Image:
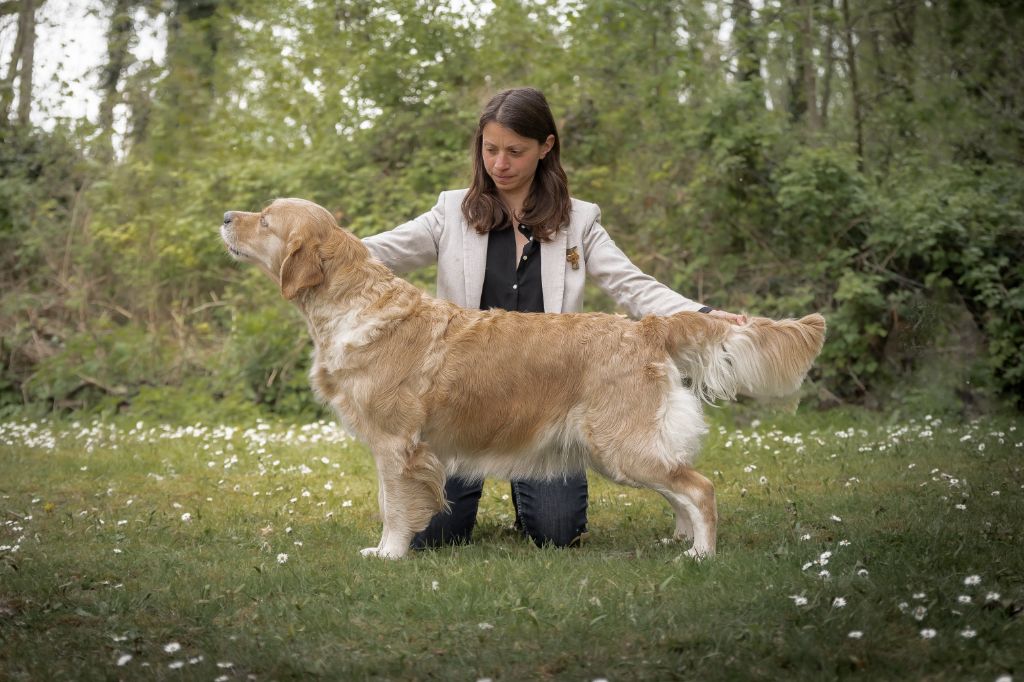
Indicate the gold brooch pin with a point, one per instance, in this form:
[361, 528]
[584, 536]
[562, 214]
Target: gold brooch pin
[573, 257]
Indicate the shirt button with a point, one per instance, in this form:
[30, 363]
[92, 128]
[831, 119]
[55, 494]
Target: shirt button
[524, 257]
[515, 286]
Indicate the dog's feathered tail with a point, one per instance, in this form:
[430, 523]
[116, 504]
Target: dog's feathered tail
[762, 359]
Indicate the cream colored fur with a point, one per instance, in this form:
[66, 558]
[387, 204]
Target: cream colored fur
[434, 389]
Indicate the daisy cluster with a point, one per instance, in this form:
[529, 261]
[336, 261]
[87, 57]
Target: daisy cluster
[13, 533]
[773, 441]
[974, 436]
[46, 435]
[921, 607]
[822, 566]
[176, 659]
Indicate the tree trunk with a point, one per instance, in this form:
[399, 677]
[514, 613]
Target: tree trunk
[803, 86]
[7, 84]
[810, 70]
[188, 90]
[830, 58]
[26, 24]
[119, 36]
[748, 59]
[851, 67]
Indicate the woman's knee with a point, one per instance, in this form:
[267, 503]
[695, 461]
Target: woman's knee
[556, 532]
[552, 513]
[454, 526]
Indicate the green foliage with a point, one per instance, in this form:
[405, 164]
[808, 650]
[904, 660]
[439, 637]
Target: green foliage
[267, 355]
[746, 168]
[963, 228]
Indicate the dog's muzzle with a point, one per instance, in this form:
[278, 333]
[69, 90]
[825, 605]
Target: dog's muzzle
[227, 233]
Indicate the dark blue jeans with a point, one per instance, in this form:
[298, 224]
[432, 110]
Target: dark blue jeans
[548, 512]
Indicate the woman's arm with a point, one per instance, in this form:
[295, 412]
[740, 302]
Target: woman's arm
[411, 245]
[639, 293]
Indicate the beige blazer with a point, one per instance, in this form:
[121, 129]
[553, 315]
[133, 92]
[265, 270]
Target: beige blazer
[442, 236]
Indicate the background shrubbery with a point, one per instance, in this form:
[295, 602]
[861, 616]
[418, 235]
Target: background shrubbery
[858, 157]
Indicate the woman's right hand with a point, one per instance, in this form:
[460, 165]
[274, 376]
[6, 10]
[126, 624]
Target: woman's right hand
[731, 317]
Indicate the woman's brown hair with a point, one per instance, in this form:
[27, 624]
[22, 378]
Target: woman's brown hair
[525, 112]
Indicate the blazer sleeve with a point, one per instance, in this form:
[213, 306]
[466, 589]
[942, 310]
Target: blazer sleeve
[411, 245]
[639, 293]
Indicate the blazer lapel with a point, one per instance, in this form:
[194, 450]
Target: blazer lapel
[552, 271]
[474, 262]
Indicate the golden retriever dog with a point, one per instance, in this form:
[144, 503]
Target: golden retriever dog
[435, 389]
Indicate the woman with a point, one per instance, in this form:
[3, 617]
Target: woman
[516, 240]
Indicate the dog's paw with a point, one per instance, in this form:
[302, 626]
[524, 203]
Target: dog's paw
[698, 553]
[381, 553]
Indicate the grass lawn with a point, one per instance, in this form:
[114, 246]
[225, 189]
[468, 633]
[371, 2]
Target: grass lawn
[849, 546]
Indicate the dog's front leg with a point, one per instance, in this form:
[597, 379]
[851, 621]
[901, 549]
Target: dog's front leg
[382, 506]
[411, 491]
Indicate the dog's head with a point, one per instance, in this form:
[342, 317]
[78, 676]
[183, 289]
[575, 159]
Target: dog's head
[284, 240]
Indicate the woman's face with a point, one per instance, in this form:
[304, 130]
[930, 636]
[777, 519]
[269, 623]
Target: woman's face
[511, 160]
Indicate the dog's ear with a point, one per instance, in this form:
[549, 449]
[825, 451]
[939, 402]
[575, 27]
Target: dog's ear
[301, 268]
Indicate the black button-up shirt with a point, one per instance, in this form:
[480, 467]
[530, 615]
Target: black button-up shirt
[508, 284]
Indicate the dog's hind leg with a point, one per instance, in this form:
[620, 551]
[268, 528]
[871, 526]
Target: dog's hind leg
[692, 497]
[411, 490]
[684, 526]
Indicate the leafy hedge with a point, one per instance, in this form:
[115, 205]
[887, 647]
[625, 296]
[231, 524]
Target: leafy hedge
[901, 216]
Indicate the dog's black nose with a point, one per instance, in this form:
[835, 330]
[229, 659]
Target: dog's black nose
[227, 217]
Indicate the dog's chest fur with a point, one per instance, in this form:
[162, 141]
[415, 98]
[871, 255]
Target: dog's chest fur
[373, 366]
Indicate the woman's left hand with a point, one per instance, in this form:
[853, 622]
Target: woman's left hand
[735, 319]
